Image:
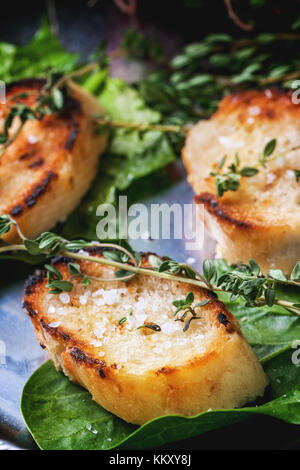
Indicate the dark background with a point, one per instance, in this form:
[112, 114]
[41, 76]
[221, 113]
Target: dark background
[80, 26]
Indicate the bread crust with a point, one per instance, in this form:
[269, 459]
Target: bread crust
[261, 220]
[226, 375]
[47, 169]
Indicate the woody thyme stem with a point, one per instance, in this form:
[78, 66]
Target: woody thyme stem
[150, 272]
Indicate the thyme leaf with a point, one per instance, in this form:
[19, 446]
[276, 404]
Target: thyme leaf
[245, 281]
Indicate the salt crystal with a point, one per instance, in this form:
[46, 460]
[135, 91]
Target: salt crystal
[99, 330]
[268, 93]
[140, 317]
[94, 431]
[32, 139]
[61, 311]
[97, 292]
[227, 142]
[101, 353]
[64, 298]
[88, 427]
[98, 302]
[83, 252]
[254, 110]
[270, 178]
[82, 299]
[157, 350]
[280, 161]
[169, 327]
[111, 297]
[290, 174]
[51, 309]
[54, 324]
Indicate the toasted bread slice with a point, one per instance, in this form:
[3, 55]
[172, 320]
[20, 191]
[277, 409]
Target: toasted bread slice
[261, 220]
[137, 373]
[47, 169]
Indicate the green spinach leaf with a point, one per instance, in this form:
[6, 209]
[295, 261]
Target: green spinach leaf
[61, 415]
[42, 53]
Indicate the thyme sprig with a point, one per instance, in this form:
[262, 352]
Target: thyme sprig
[50, 99]
[230, 179]
[105, 123]
[244, 281]
[186, 307]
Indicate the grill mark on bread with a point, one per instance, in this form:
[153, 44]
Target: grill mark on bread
[33, 281]
[16, 210]
[214, 208]
[27, 155]
[55, 331]
[34, 83]
[75, 128]
[81, 357]
[223, 319]
[39, 189]
[37, 163]
[165, 371]
[32, 313]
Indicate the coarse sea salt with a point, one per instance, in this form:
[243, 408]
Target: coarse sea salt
[83, 252]
[268, 93]
[140, 317]
[270, 178]
[51, 309]
[169, 327]
[228, 142]
[290, 174]
[98, 302]
[157, 350]
[64, 298]
[54, 324]
[97, 292]
[61, 311]
[254, 110]
[32, 139]
[83, 300]
[99, 330]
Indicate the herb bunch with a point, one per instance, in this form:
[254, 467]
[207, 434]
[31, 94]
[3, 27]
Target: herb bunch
[50, 99]
[244, 281]
[230, 180]
[196, 79]
[185, 307]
